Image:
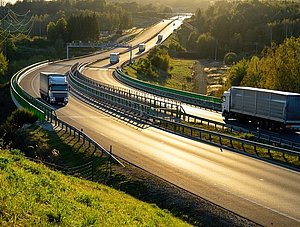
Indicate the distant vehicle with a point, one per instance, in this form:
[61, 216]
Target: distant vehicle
[142, 47]
[54, 87]
[114, 58]
[268, 108]
[159, 37]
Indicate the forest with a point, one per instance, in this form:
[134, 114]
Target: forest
[243, 27]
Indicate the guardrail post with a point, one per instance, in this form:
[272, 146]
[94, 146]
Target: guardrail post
[255, 149]
[283, 155]
[269, 153]
[231, 144]
[93, 170]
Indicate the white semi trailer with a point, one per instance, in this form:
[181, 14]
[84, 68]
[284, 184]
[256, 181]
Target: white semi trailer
[267, 108]
[54, 87]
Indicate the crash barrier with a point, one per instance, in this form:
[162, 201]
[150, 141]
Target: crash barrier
[203, 101]
[24, 99]
[261, 136]
[140, 102]
[45, 111]
[256, 149]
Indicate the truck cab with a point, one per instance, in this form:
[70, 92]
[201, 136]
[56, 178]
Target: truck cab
[159, 37]
[54, 87]
[142, 47]
[114, 58]
[226, 104]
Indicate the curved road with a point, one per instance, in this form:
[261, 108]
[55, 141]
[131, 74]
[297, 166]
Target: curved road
[262, 192]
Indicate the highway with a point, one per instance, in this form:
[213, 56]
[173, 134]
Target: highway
[262, 192]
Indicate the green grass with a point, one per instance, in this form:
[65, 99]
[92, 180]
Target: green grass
[33, 195]
[180, 75]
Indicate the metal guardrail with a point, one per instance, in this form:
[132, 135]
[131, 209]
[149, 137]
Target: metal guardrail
[134, 101]
[46, 112]
[84, 136]
[23, 98]
[276, 141]
[203, 101]
[220, 140]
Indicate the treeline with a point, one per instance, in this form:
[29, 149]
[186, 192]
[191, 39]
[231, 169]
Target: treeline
[278, 69]
[108, 16]
[243, 27]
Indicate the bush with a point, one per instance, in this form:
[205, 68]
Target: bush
[230, 58]
[20, 117]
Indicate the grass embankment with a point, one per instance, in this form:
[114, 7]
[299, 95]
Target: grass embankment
[179, 77]
[31, 194]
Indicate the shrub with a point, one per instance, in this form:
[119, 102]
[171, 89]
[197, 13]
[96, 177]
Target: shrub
[230, 58]
[20, 117]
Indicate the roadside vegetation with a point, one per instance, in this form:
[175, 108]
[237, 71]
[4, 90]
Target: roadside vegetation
[159, 68]
[31, 194]
[277, 69]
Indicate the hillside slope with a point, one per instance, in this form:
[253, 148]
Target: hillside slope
[31, 194]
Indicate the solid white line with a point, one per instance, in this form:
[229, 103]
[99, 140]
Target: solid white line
[35, 92]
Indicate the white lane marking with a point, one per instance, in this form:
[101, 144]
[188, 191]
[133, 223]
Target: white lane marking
[32, 86]
[90, 117]
[258, 204]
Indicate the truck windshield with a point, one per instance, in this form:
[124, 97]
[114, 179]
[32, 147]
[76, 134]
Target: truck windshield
[62, 87]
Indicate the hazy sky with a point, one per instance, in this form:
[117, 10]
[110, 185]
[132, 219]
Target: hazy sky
[8, 1]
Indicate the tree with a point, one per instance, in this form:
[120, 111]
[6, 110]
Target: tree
[254, 75]
[206, 45]
[3, 65]
[281, 66]
[236, 73]
[191, 42]
[51, 31]
[61, 28]
[230, 58]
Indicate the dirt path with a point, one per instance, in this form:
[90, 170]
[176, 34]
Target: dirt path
[200, 79]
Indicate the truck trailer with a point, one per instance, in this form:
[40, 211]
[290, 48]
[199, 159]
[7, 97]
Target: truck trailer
[270, 109]
[54, 88]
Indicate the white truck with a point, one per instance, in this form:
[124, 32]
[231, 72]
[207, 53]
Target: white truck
[270, 109]
[114, 58]
[159, 37]
[54, 87]
[142, 47]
